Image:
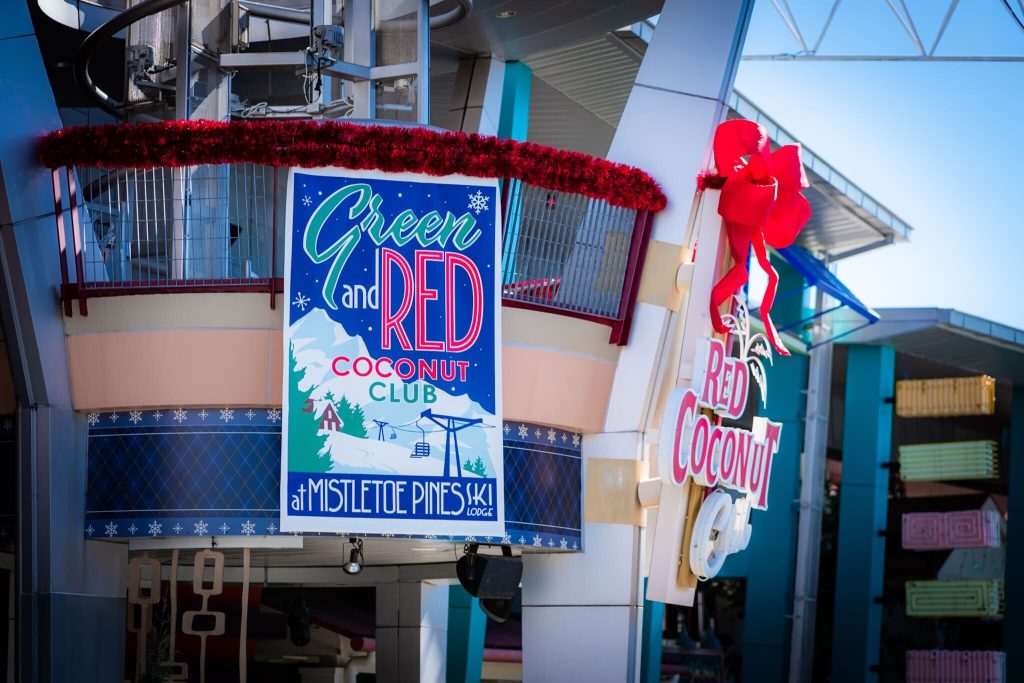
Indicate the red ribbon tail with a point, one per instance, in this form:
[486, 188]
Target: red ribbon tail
[769, 295]
[731, 281]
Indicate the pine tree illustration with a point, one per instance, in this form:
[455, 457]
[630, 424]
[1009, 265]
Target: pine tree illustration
[356, 426]
[307, 451]
[476, 467]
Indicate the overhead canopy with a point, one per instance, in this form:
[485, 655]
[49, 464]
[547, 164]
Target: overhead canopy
[950, 337]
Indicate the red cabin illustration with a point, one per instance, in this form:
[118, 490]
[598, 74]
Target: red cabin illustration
[329, 419]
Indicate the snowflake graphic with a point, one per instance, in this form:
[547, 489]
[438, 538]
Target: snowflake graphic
[574, 546]
[507, 429]
[135, 417]
[250, 414]
[536, 433]
[132, 529]
[114, 417]
[227, 414]
[177, 528]
[111, 529]
[522, 540]
[551, 543]
[307, 200]
[200, 528]
[155, 528]
[430, 536]
[203, 414]
[301, 301]
[563, 544]
[575, 439]
[478, 202]
[564, 437]
[470, 539]
[271, 528]
[248, 528]
[274, 415]
[180, 415]
[506, 540]
[552, 435]
[537, 541]
[90, 530]
[523, 431]
[94, 419]
[157, 415]
[224, 528]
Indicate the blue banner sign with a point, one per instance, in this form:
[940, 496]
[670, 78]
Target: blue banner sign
[392, 393]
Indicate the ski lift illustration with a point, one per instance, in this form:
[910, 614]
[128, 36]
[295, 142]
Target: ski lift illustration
[381, 424]
[422, 448]
[394, 435]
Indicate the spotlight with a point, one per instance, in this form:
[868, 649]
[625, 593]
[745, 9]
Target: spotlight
[355, 558]
[493, 579]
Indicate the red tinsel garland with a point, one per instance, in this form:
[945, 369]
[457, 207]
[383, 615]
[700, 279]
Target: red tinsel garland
[331, 143]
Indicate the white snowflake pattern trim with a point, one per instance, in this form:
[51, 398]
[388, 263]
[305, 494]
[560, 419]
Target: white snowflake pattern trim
[203, 414]
[274, 415]
[111, 529]
[114, 417]
[227, 414]
[224, 528]
[301, 301]
[135, 417]
[200, 528]
[536, 433]
[180, 415]
[552, 435]
[563, 544]
[94, 419]
[575, 439]
[506, 540]
[248, 528]
[537, 542]
[155, 528]
[157, 415]
[250, 414]
[90, 530]
[478, 202]
[307, 200]
[177, 528]
[271, 528]
[132, 529]
[507, 429]
[522, 540]
[523, 431]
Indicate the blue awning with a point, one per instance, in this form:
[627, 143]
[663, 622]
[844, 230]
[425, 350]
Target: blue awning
[818, 275]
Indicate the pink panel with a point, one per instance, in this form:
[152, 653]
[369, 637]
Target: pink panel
[955, 666]
[922, 530]
[971, 529]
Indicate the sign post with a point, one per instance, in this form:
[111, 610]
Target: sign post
[392, 393]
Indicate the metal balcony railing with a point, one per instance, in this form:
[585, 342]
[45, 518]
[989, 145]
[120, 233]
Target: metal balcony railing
[218, 228]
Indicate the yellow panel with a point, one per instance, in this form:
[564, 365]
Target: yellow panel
[611, 496]
[946, 397]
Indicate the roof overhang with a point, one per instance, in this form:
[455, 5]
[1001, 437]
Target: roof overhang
[950, 337]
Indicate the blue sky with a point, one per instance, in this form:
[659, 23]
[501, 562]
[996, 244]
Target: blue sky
[940, 144]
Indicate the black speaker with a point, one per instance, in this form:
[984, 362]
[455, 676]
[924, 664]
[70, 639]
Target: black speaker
[490, 577]
[298, 621]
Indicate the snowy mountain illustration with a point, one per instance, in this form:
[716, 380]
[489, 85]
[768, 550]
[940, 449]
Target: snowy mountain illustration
[316, 340]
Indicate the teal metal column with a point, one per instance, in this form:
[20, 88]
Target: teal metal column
[467, 626]
[514, 123]
[1013, 622]
[650, 658]
[515, 101]
[768, 562]
[863, 502]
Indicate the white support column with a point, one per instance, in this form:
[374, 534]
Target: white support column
[582, 613]
[412, 631]
[476, 99]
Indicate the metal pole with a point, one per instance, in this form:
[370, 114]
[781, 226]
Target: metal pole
[812, 493]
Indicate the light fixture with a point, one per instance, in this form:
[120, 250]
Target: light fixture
[355, 558]
[505, 14]
[492, 578]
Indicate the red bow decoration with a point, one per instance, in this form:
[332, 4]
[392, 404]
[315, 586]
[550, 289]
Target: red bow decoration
[761, 203]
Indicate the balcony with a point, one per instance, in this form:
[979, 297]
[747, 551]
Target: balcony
[199, 207]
